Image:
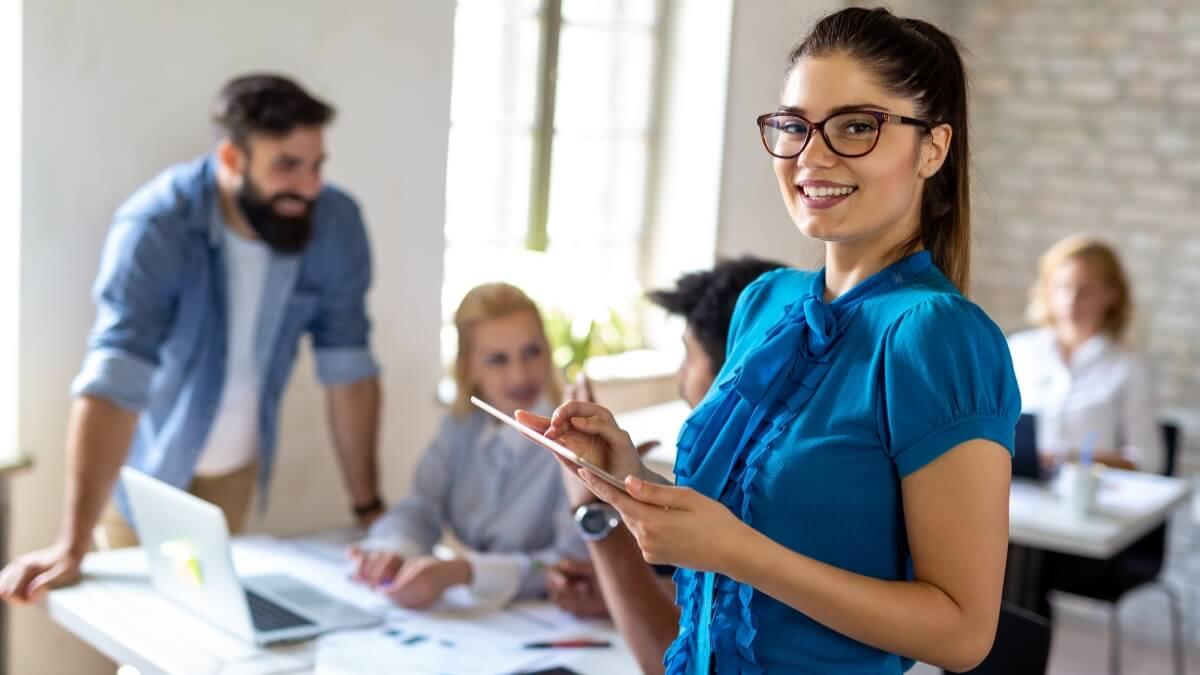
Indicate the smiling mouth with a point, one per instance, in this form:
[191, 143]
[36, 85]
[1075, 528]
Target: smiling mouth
[824, 192]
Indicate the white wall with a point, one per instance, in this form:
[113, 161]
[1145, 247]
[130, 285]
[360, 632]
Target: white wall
[753, 219]
[10, 233]
[115, 91]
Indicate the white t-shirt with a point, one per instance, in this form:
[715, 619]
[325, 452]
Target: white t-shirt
[232, 441]
[1105, 390]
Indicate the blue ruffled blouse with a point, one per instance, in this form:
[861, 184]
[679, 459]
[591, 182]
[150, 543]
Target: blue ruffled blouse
[819, 412]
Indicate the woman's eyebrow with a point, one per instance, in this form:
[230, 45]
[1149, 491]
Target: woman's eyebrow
[840, 109]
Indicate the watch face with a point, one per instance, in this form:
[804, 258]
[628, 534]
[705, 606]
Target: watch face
[594, 521]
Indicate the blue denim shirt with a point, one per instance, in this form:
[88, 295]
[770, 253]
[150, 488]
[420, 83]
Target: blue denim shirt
[158, 346]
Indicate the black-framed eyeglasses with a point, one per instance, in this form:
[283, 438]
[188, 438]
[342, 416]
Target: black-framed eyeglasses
[853, 133]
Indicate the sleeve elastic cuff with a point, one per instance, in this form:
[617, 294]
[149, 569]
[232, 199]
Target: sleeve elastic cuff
[343, 365]
[934, 445]
[117, 376]
[496, 578]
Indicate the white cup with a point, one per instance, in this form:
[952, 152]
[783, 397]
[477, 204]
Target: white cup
[1078, 486]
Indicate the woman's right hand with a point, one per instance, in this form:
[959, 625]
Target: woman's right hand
[375, 568]
[581, 390]
[590, 431]
[578, 491]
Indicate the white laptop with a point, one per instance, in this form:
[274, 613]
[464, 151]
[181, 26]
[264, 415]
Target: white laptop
[187, 542]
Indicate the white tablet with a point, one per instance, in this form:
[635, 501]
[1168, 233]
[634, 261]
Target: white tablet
[553, 446]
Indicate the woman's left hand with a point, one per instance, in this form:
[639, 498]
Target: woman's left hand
[675, 525]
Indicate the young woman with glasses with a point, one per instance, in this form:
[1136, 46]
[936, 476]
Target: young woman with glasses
[842, 504]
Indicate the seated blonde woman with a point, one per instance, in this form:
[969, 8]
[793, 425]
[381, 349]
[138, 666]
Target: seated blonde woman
[1074, 372]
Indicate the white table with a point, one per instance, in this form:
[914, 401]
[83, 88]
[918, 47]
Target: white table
[1128, 506]
[1130, 503]
[115, 610]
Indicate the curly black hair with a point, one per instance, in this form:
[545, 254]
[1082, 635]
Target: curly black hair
[706, 300]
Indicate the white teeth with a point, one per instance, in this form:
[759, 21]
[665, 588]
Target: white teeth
[826, 192]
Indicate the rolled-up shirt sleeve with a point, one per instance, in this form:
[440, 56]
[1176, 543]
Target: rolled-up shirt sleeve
[340, 330]
[135, 294]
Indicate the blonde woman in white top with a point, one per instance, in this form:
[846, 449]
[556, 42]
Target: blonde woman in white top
[1074, 372]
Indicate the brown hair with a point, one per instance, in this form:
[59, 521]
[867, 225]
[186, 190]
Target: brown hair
[483, 303]
[915, 59]
[1104, 259]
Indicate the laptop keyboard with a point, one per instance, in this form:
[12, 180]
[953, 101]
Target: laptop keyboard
[269, 616]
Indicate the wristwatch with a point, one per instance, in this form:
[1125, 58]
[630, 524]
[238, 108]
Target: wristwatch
[361, 510]
[596, 520]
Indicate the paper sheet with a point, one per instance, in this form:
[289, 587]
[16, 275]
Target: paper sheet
[451, 640]
[421, 650]
[456, 637]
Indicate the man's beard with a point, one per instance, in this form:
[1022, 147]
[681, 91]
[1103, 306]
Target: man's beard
[285, 234]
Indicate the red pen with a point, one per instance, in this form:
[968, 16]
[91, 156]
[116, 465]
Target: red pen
[568, 644]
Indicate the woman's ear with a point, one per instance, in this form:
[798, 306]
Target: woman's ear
[934, 150]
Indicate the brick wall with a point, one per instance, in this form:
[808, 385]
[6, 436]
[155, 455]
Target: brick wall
[1086, 117]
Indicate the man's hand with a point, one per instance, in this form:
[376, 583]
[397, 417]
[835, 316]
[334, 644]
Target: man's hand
[573, 586]
[98, 439]
[28, 578]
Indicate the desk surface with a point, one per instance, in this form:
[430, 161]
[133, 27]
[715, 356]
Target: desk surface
[1130, 503]
[115, 610]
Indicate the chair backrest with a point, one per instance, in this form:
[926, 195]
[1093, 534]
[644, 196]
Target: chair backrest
[1022, 644]
[1025, 451]
[1150, 552]
[1170, 432]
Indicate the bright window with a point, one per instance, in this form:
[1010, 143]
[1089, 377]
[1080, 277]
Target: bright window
[551, 149]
